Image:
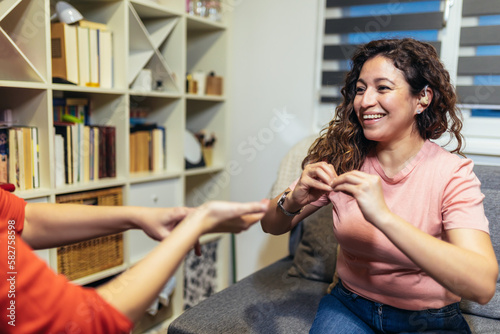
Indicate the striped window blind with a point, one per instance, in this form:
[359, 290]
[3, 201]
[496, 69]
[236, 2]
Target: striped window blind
[478, 81]
[349, 23]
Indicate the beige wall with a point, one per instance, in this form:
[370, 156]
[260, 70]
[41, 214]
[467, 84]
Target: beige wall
[272, 50]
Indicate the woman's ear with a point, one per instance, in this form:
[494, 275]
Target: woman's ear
[425, 99]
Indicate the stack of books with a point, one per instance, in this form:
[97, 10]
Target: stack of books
[83, 152]
[147, 148]
[82, 54]
[19, 157]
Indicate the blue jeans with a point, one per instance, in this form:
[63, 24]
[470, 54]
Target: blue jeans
[343, 311]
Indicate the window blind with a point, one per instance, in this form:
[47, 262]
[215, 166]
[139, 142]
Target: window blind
[349, 23]
[478, 81]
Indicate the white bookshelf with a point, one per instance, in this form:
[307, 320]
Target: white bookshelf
[147, 34]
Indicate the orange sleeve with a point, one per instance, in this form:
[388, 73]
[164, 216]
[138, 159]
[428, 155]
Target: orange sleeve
[41, 301]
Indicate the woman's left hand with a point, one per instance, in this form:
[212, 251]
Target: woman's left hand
[367, 190]
[157, 223]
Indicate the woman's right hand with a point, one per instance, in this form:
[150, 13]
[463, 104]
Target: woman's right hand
[314, 181]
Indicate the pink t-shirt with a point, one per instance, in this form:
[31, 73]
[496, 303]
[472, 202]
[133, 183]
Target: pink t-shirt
[435, 192]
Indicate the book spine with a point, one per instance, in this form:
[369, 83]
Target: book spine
[111, 152]
[13, 158]
[4, 155]
[35, 157]
[102, 152]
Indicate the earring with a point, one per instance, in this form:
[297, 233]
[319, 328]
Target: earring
[425, 99]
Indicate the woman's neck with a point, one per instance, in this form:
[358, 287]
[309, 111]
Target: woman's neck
[394, 157]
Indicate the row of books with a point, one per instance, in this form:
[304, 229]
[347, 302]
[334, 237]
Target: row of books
[19, 157]
[84, 153]
[147, 148]
[71, 109]
[82, 54]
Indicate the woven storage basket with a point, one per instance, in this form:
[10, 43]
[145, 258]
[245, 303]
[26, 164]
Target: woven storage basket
[91, 256]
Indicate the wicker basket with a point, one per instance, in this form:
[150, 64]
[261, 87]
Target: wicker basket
[91, 256]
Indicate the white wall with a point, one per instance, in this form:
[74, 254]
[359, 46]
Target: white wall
[272, 75]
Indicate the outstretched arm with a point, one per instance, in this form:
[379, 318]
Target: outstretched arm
[146, 279]
[50, 225]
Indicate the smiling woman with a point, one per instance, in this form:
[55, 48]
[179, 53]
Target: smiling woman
[385, 107]
[405, 211]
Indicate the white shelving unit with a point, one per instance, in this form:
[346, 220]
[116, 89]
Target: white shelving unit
[146, 34]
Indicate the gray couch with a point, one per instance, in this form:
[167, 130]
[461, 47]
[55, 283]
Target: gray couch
[283, 297]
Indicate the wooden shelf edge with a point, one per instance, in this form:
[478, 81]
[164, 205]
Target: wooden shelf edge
[34, 193]
[23, 84]
[99, 90]
[173, 95]
[196, 97]
[100, 275]
[196, 23]
[203, 170]
[79, 187]
[147, 177]
[163, 9]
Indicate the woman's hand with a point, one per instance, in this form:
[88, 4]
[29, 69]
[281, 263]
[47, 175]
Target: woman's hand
[157, 223]
[367, 190]
[232, 217]
[314, 181]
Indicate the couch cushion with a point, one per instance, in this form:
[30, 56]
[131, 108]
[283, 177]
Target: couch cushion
[268, 301]
[490, 186]
[482, 325]
[316, 255]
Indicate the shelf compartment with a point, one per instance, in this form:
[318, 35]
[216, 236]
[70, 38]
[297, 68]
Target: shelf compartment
[208, 116]
[6, 6]
[158, 22]
[24, 35]
[147, 33]
[167, 113]
[206, 52]
[15, 66]
[105, 110]
[207, 187]
[160, 194]
[30, 108]
[89, 257]
[111, 13]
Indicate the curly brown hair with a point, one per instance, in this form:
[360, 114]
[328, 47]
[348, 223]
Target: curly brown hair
[342, 143]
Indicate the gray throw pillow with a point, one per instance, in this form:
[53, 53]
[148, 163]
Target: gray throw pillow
[492, 210]
[316, 255]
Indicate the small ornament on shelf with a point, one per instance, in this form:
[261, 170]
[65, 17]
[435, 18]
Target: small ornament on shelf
[207, 145]
[210, 9]
[214, 85]
[198, 83]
